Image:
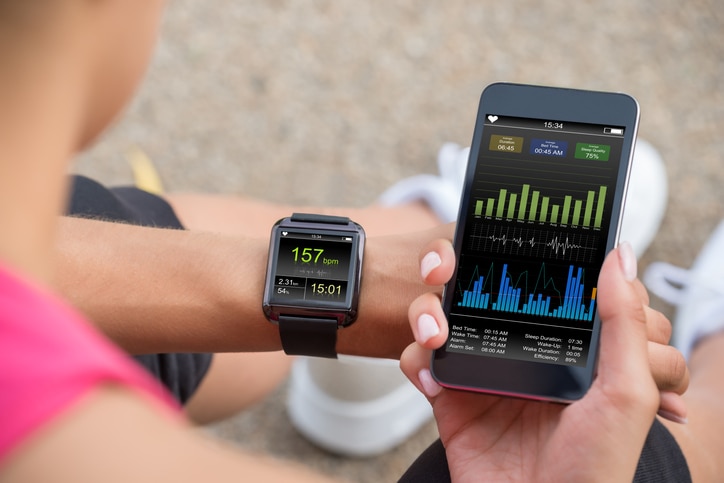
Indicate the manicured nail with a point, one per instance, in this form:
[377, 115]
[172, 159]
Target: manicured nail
[628, 261]
[672, 417]
[429, 262]
[426, 328]
[675, 407]
[429, 386]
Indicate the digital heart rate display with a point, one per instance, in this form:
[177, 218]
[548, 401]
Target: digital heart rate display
[312, 267]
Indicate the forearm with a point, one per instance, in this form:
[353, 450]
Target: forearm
[114, 435]
[155, 290]
[158, 290]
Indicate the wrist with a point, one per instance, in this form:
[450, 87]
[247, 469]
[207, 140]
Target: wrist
[390, 282]
[236, 322]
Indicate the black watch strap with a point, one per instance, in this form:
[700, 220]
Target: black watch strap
[309, 336]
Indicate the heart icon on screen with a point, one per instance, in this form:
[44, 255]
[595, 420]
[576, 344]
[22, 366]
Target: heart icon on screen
[492, 118]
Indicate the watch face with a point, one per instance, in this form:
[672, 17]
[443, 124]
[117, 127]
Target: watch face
[313, 269]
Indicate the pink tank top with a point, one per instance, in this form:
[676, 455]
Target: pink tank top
[49, 358]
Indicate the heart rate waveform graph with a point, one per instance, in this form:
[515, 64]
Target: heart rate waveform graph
[551, 244]
[544, 299]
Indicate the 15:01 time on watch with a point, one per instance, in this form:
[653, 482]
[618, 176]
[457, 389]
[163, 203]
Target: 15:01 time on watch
[331, 289]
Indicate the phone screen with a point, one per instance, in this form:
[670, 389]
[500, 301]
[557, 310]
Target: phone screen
[534, 228]
[534, 240]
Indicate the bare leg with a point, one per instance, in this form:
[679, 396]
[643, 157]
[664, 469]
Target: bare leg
[702, 439]
[234, 383]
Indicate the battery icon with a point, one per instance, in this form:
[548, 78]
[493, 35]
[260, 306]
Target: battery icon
[613, 130]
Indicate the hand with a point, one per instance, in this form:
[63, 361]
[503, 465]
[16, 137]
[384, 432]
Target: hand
[668, 365]
[491, 438]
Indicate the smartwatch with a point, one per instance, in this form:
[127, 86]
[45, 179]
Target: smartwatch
[313, 281]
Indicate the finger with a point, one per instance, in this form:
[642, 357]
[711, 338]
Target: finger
[415, 364]
[641, 291]
[673, 407]
[669, 368]
[658, 327]
[428, 322]
[437, 262]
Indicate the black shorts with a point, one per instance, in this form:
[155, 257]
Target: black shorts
[180, 373]
[661, 461]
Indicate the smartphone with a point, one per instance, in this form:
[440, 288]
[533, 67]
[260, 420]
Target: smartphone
[541, 207]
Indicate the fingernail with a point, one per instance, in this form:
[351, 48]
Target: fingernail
[672, 417]
[628, 261]
[429, 262]
[426, 328]
[429, 386]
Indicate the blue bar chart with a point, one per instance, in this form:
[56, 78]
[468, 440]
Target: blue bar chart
[510, 297]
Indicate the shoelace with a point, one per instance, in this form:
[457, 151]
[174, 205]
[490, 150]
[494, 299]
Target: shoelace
[667, 281]
[672, 283]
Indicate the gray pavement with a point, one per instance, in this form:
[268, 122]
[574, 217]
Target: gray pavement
[324, 102]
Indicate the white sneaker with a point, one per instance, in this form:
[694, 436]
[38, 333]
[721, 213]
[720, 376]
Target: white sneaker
[354, 406]
[441, 192]
[645, 204]
[646, 198]
[697, 292]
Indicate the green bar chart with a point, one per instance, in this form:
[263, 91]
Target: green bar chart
[531, 205]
